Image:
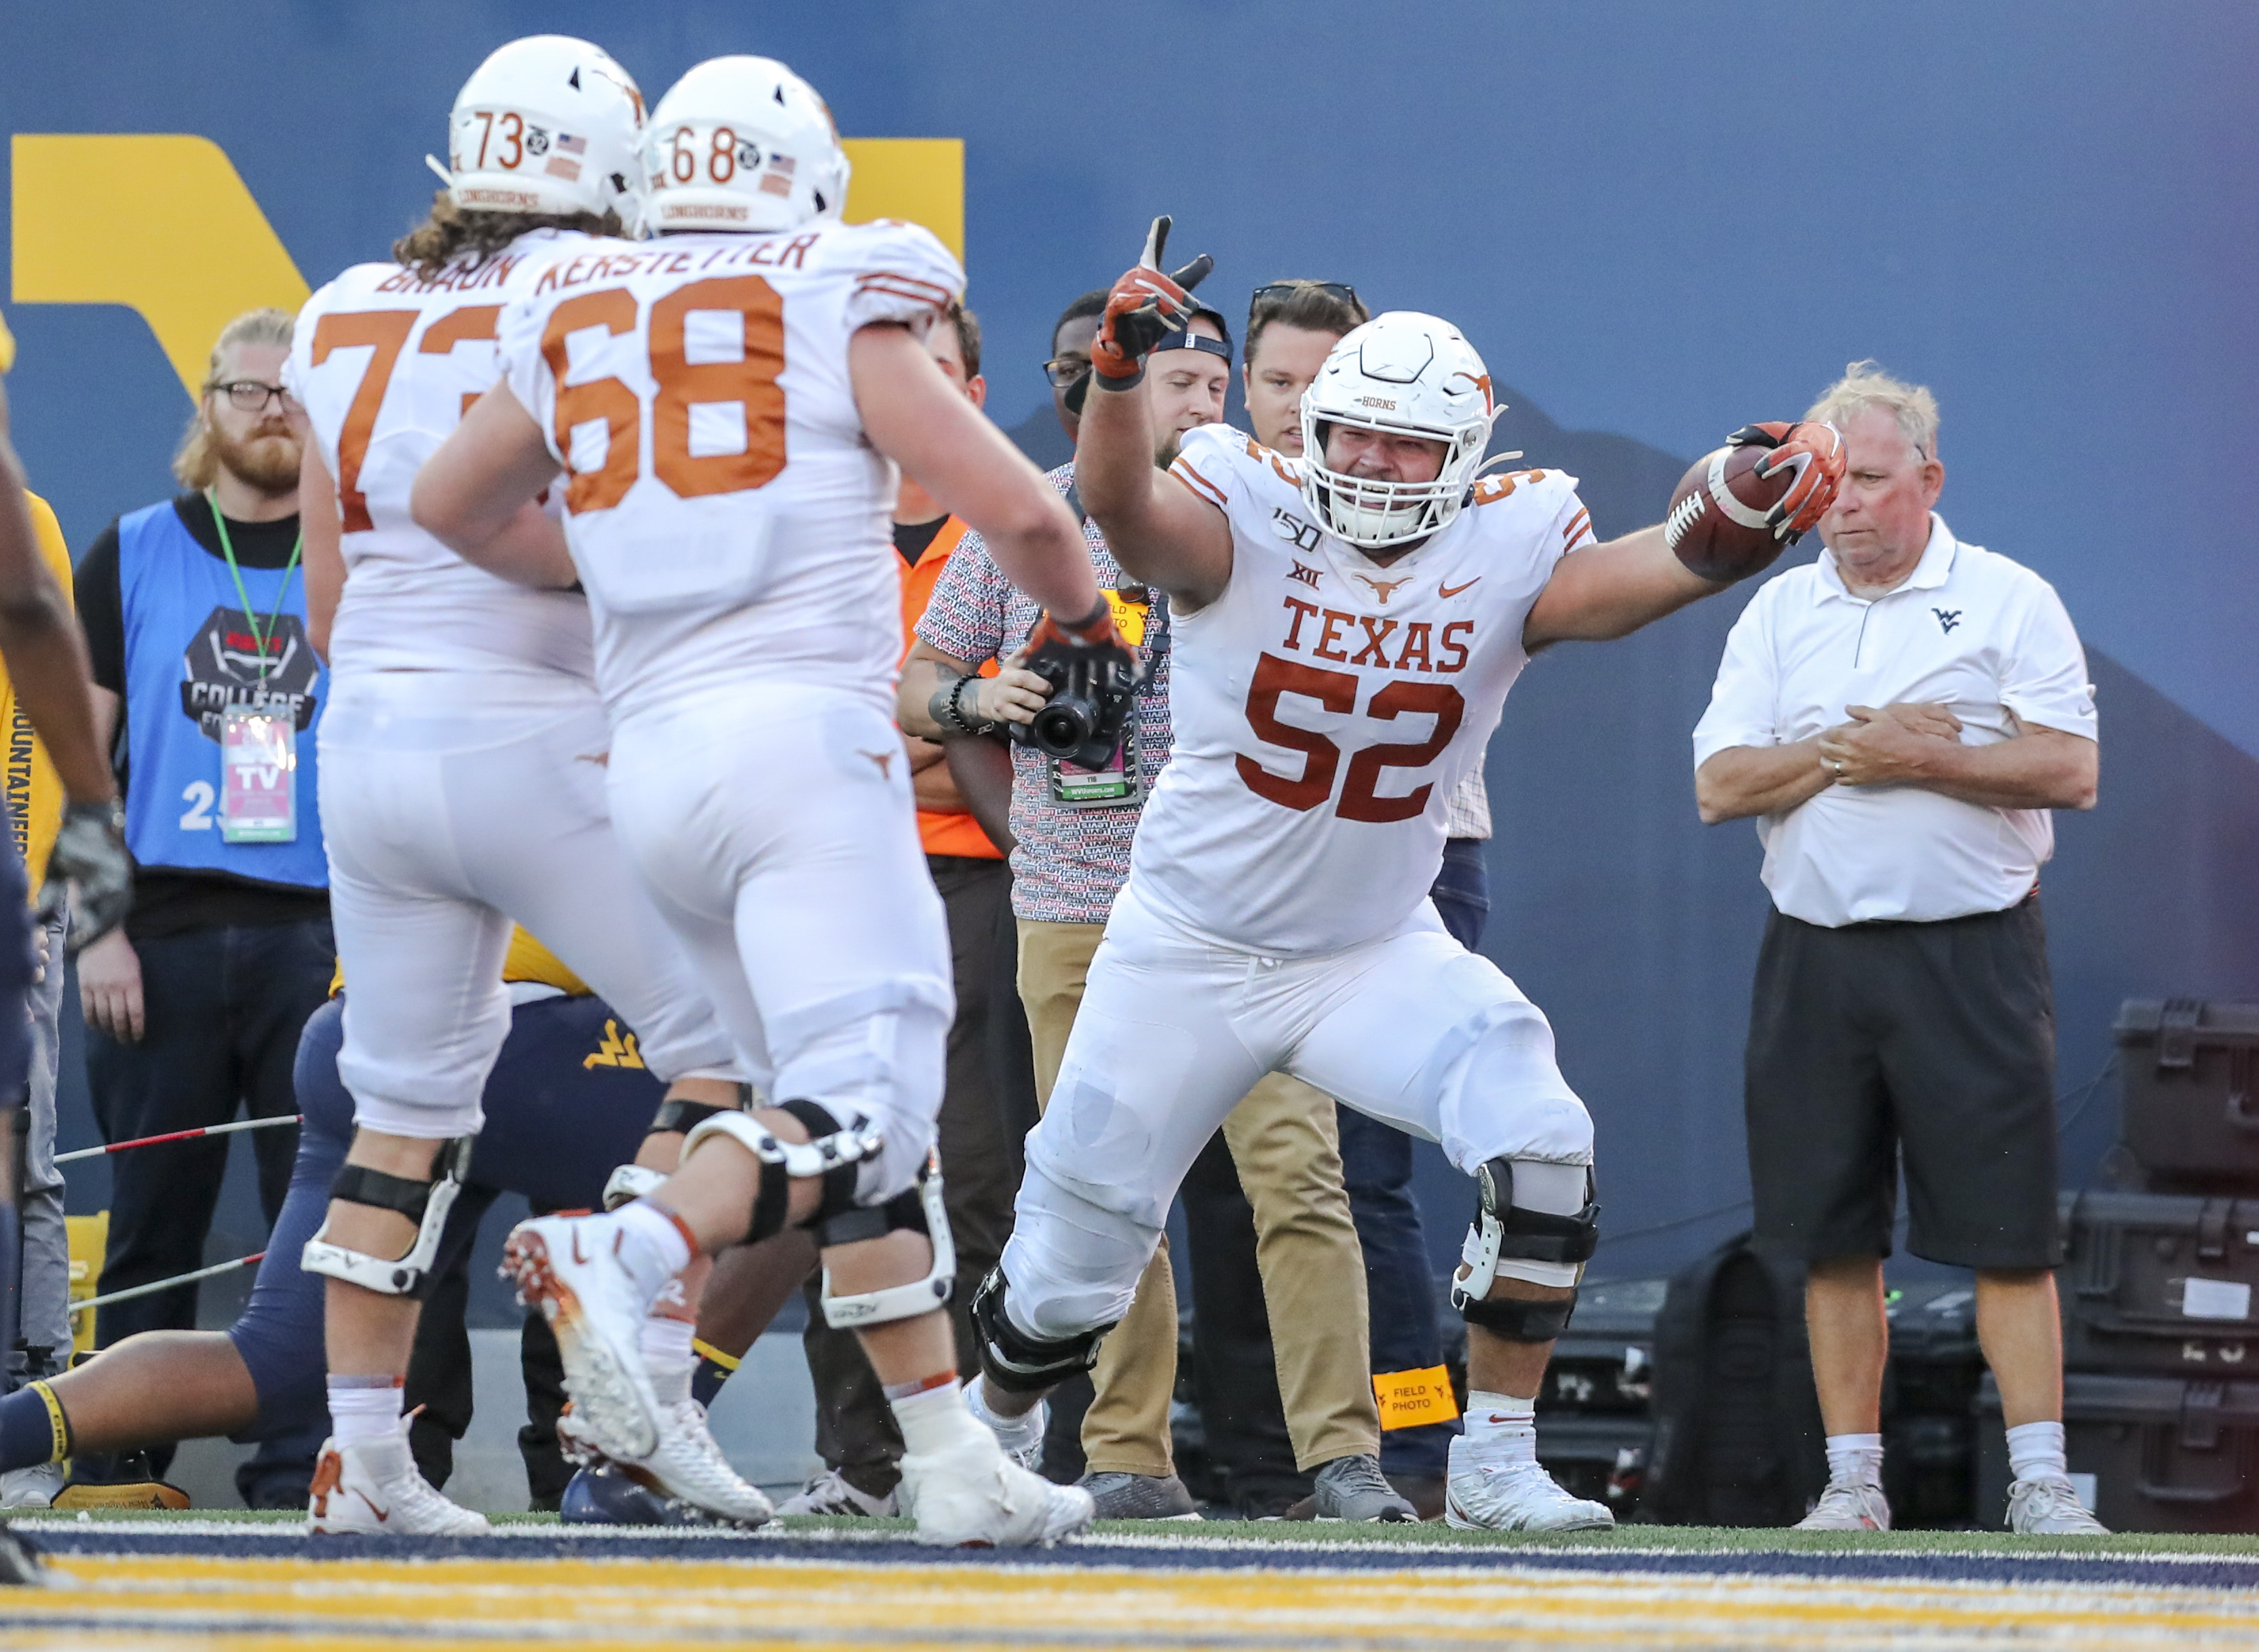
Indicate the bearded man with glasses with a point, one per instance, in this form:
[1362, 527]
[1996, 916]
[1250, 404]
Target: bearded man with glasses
[207, 693]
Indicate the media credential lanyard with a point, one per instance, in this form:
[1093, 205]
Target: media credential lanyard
[258, 744]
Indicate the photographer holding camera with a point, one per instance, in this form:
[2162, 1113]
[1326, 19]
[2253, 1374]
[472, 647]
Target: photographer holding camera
[1072, 815]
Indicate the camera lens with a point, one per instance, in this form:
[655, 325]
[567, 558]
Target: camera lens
[1063, 724]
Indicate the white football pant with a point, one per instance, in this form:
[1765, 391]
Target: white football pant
[774, 825]
[1412, 1030]
[453, 806]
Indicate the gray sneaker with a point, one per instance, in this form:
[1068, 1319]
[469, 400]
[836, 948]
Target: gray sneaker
[1849, 1506]
[1354, 1489]
[2048, 1506]
[1139, 1497]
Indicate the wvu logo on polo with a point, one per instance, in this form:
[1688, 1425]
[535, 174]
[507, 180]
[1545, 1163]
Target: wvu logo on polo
[1946, 618]
[618, 1050]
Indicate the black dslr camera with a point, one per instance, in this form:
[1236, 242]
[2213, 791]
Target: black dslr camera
[1088, 711]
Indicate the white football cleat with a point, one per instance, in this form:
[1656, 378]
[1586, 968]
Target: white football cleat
[1849, 1506]
[971, 1496]
[569, 1267]
[1489, 1492]
[377, 1488]
[1021, 1437]
[687, 1471]
[2048, 1506]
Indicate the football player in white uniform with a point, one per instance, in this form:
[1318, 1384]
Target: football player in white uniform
[461, 773]
[724, 405]
[1347, 626]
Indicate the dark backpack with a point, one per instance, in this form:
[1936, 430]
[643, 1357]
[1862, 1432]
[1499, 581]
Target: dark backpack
[1738, 1438]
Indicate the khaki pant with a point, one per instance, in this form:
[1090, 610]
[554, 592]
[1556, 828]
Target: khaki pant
[1284, 1140]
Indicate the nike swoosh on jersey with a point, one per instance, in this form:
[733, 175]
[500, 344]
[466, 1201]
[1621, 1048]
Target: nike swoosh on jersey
[1453, 590]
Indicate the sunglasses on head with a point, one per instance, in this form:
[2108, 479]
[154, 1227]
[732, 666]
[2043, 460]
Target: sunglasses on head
[1282, 291]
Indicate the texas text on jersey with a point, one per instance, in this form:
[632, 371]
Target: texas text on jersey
[705, 381]
[386, 364]
[1326, 705]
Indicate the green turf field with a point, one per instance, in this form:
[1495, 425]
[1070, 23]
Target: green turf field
[1686, 1539]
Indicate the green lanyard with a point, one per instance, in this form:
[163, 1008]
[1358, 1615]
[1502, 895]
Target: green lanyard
[258, 637]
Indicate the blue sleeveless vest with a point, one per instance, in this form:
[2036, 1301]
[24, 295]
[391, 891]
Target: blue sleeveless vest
[189, 654]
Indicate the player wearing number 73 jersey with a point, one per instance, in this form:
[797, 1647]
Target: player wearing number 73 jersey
[1347, 625]
[726, 406]
[461, 774]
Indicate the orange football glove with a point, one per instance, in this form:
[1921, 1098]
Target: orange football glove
[1144, 307]
[1812, 453]
[1096, 629]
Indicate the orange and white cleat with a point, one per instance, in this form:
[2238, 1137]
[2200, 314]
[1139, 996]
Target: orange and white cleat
[569, 1267]
[376, 1488]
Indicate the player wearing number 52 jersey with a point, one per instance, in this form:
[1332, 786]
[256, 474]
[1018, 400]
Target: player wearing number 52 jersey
[726, 405]
[1347, 625]
[461, 777]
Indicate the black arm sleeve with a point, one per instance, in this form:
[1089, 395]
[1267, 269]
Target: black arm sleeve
[102, 611]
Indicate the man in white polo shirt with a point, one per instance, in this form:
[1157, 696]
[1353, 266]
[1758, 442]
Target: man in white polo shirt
[1900, 716]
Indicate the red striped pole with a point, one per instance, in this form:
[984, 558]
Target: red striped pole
[167, 1285]
[179, 1135]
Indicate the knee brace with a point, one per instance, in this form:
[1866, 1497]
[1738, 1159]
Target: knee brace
[425, 1203]
[1544, 1247]
[833, 1155]
[630, 1182]
[917, 1209]
[1020, 1363]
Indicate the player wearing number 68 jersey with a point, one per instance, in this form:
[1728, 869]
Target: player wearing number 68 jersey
[726, 406]
[1347, 626]
[461, 775]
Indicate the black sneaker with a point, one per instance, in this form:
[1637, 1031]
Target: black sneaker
[1139, 1497]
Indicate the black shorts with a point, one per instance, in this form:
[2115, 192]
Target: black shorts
[1932, 1041]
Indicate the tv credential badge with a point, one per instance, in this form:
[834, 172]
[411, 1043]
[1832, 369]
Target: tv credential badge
[258, 739]
[259, 775]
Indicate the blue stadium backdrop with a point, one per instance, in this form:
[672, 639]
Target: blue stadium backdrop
[1656, 220]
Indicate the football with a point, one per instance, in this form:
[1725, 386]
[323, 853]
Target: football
[1717, 540]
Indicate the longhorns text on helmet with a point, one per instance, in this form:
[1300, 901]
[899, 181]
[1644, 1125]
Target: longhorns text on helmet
[547, 124]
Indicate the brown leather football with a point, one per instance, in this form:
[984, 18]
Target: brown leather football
[1720, 540]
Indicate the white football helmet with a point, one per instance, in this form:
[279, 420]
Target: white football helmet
[548, 124]
[1404, 374]
[743, 143]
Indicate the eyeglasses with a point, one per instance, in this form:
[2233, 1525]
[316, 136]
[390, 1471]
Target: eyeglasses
[249, 396]
[1062, 371]
[1282, 291]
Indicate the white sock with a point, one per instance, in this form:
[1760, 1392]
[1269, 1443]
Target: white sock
[652, 1248]
[668, 1356]
[364, 1410]
[2036, 1451]
[1855, 1459]
[934, 1418]
[1502, 1426]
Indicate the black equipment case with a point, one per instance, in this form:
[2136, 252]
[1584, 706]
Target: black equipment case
[1929, 1391]
[2188, 1073]
[2148, 1454]
[2161, 1283]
